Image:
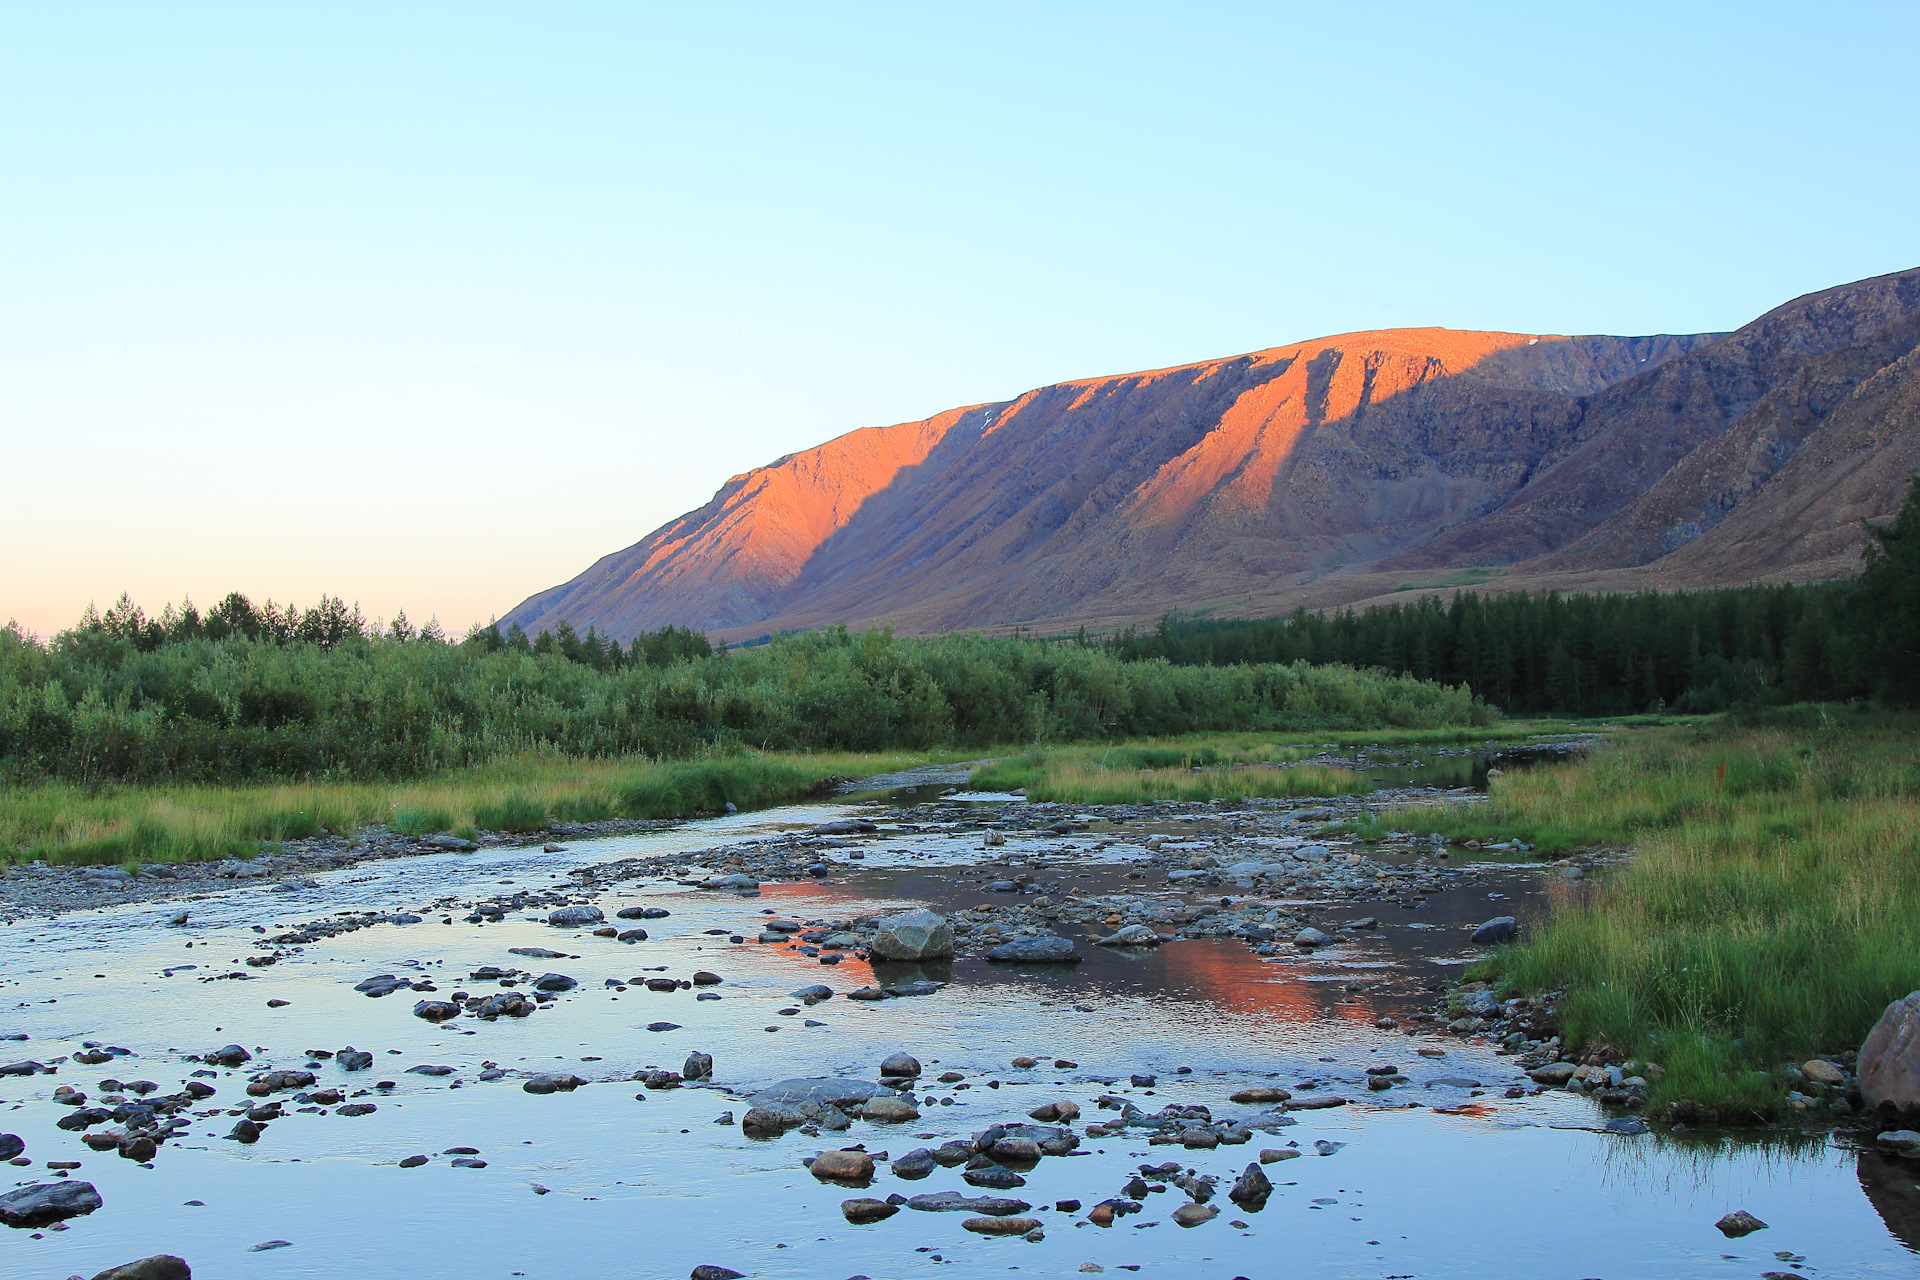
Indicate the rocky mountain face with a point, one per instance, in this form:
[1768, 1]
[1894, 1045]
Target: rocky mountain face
[1343, 470]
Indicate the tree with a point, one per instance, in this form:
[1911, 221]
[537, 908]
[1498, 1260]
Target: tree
[1888, 605]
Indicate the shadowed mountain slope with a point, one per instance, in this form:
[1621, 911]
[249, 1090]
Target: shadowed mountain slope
[1344, 469]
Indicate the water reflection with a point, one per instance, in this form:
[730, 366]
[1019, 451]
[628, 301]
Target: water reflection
[1893, 1189]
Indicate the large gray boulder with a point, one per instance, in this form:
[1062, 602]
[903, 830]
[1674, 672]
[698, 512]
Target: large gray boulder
[1889, 1066]
[1043, 950]
[571, 916]
[40, 1203]
[828, 1091]
[913, 935]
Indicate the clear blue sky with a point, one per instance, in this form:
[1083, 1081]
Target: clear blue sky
[432, 304]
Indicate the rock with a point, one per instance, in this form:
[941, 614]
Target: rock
[706, 978]
[1251, 1189]
[357, 1109]
[1260, 1093]
[842, 1166]
[1900, 1142]
[887, 1109]
[1316, 1104]
[1192, 1215]
[1041, 950]
[631, 913]
[138, 1149]
[1820, 1071]
[900, 1065]
[913, 1165]
[913, 935]
[1554, 1074]
[554, 982]
[1628, 1126]
[569, 916]
[430, 1069]
[435, 1010]
[769, 1122]
[1310, 938]
[352, 1059]
[1134, 935]
[412, 1162]
[813, 994]
[707, 1271]
[865, 1209]
[11, 1145]
[1739, 1223]
[1274, 1155]
[279, 1081]
[507, 1004]
[1496, 931]
[40, 1203]
[1002, 1226]
[820, 1090]
[552, 1082]
[994, 1177]
[953, 1153]
[736, 880]
[231, 1055]
[161, 1266]
[699, 1066]
[1013, 1150]
[631, 935]
[1889, 1064]
[954, 1202]
[844, 827]
[246, 1132]
[449, 842]
[537, 953]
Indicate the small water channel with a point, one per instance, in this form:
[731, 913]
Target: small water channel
[1444, 1177]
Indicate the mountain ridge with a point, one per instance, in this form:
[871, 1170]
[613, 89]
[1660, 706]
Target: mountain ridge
[1332, 471]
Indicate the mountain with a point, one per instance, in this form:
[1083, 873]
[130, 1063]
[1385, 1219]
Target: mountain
[1349, 469]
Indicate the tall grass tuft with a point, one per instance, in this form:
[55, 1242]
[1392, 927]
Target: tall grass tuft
[1770, 910]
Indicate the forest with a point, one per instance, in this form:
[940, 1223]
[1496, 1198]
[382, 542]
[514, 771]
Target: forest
[1608, 655]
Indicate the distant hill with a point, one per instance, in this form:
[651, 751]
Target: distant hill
[1342, 470]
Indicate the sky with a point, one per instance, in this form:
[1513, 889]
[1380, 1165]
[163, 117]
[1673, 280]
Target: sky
[431, 305]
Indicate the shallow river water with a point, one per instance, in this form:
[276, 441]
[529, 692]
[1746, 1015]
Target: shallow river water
[1433, 1180]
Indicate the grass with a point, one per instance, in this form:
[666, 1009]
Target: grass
[1213, 766]
[65, 823]
[1200, 768]
[1770, 912]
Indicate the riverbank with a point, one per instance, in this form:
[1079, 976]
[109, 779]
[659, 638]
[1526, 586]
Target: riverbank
[1768, 913]
[70, 824]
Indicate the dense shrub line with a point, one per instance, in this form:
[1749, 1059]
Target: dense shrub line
[260, 694]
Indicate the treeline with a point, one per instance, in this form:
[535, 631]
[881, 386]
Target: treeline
[1683, 651]
[245, 693]
[333, 621]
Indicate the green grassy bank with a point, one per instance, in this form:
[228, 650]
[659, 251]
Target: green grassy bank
[66, 823]
[1214, 766]
[1770, 911]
